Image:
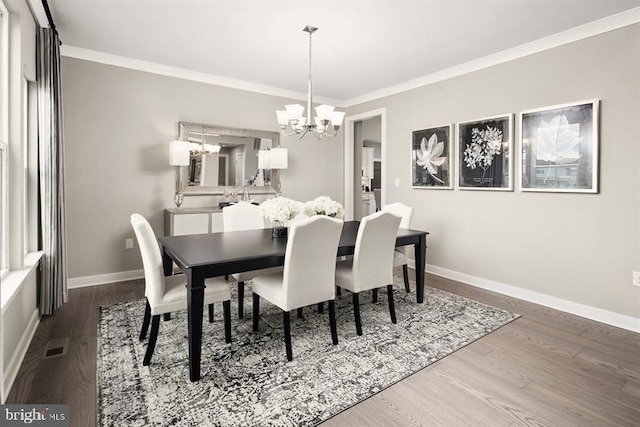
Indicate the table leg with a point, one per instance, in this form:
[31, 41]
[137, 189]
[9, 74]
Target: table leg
[167, 264]
[420, 257]
[195, 307]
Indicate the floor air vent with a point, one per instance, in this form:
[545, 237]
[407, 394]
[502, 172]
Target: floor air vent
[56, 348]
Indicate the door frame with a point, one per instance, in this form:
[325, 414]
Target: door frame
[349, 158]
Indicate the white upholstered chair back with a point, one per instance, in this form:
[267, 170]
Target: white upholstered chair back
[310, 261]
[401, 210]
[242, 216]
[373, 256]
[151, 259]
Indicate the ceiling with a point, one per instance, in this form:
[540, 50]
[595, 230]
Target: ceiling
[360, 47]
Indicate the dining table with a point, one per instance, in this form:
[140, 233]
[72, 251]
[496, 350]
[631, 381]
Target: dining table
[200, 256]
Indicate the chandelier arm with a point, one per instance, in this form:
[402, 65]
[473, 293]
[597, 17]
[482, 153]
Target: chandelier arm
[335, 132]
[283, 133]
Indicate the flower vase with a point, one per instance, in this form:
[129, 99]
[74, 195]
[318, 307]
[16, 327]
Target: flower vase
[279, 230]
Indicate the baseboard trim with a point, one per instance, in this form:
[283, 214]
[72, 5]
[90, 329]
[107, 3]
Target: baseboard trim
[101, 279]
[18, 355]
[593, 313]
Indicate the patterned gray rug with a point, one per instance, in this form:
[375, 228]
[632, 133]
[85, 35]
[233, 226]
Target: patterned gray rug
[249, 382]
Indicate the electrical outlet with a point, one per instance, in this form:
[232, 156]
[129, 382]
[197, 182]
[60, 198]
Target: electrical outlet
[636, 278]
[128, 243]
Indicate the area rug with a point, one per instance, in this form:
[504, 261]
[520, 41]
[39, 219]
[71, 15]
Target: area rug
[250, 383]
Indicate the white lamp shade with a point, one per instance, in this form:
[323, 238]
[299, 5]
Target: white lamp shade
[283, 117]
[324, 111]
[179, 153]
[294, 111]
[337, 117]
[264, 159]
[278, 158]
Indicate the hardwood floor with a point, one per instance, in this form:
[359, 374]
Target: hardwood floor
[546, 368]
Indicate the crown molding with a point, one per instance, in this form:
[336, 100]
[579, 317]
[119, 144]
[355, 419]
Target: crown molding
[181, 73]
[594, 28]
[581, 32]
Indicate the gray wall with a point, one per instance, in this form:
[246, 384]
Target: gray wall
[118, 124]
[577, 247]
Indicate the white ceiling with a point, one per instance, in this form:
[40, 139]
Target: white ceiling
[360, 47]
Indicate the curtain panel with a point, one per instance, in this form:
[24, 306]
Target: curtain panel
[53, 286]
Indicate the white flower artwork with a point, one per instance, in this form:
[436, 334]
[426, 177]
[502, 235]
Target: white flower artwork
[431, 158]
[560, 148]
[484, 148]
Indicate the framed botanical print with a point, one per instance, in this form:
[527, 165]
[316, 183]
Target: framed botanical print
[431, 154]
[559, 148]
[484, 154]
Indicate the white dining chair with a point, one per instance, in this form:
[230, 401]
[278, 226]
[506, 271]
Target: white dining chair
[308, 276]
[401, 255]
[239, 217]
[168, 294]
[372, 264]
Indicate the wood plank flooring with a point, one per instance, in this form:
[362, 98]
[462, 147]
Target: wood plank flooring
[547, 368]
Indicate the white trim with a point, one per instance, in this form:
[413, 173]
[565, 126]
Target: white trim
[181, 73]
[37, 9]
[349, 197]
[589, 312]
[581, 32]
[13, 367]
[101, 279]
[13, 281]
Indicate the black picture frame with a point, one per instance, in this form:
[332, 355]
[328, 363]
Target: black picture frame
[484, 154]
[432, 158]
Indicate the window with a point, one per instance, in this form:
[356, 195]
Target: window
[4, 137]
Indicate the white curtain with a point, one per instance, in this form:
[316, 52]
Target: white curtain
[53, 286]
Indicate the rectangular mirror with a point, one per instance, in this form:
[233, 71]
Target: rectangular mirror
[224, 159]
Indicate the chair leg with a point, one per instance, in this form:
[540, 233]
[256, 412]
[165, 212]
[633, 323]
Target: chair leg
[405, 273]
[153, 337]
[299, 311]
[211, 313]
[145, 321]
[226, 308]
[167, 317]
[287, 335]
[256, 311]
[374, 296]
[338, 290]
[320, 307]
[356, 312]
[240, 300]
[392, 308]
[332, 321]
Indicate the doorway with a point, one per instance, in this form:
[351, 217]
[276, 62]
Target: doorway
[364, 171]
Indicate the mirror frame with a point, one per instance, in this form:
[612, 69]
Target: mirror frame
[191, 127]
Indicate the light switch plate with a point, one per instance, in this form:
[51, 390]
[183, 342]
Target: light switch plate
[636, 278]
[397, 182]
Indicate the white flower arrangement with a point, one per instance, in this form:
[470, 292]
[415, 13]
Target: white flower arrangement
[323, 205]
[279, 209]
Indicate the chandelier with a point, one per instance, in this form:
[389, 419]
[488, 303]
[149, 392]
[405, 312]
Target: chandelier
[327, 121]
